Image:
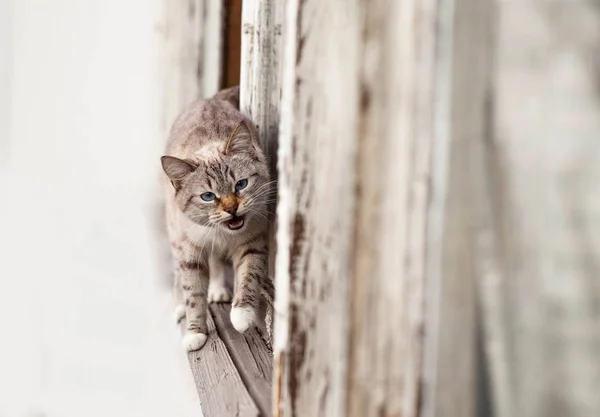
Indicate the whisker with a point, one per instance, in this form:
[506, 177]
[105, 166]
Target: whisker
[263, 190]
[263, 186]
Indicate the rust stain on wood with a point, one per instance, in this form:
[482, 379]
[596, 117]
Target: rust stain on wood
[277, 403]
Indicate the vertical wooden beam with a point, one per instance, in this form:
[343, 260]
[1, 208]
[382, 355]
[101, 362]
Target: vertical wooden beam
[363, 158]
[543, 161]
[260, 84]
[210, 64]
[181, 53]
[191, 54]
[317, 159]
[464, 67]
[394, 171]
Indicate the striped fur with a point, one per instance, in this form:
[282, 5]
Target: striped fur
[213, 147]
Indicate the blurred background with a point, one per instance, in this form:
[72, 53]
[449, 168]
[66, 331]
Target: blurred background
[85, 322]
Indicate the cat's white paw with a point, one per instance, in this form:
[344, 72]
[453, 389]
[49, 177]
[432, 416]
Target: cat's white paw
[179, 313]
[193, 341]
[243, 318]
[218, 294]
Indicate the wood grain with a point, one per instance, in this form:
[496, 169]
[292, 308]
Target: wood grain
[250, 355]
[463, 67]
[317, 151]
[394, 179]
[220, 387]
[543, 160]
[364, 152]
[260, 85]
[191, 54]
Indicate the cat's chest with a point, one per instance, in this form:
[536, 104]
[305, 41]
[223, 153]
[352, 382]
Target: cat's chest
[207, 238]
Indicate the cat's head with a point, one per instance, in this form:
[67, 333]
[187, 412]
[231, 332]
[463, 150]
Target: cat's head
[227, 185]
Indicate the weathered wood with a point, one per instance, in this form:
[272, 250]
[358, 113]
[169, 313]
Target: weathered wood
[544, 166]
[356, 139]
[191, 54]
[250, 355]
[394, 176]
[210, 65]
[260, 84]
[367, 154]
[463, 67]
[220, 387]
[315, 214]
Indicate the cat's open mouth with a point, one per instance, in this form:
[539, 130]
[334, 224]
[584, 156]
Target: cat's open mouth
[235, 223]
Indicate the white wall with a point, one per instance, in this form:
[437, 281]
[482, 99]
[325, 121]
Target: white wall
[85, 327]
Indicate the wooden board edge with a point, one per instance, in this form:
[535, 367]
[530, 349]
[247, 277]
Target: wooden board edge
[251, 356]
[219, 385]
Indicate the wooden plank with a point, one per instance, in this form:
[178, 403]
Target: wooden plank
[315, 222]
[260, 84]
[183, 37]
[191, 54]
[220, 387]
[355, 151]
[545, 209]
[394, 179]
[366, 110]
[464, 52]
[250, 355]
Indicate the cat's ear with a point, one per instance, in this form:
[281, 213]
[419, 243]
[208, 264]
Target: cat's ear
[242, 141]
[176, 169]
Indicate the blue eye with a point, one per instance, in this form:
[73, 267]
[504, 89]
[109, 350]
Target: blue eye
[241, 184]
[208, 196]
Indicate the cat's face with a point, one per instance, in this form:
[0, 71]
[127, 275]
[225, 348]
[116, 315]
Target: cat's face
[226, 190]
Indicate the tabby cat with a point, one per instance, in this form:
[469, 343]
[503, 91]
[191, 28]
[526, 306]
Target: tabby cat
[216, 206]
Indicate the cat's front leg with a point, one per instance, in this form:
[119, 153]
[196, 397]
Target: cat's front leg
[194, 282]
[179, 313]
[254, 286]
[217, 287]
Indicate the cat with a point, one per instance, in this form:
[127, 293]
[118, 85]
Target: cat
[218, 188]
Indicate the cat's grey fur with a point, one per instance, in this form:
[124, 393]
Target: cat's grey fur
[212, 147]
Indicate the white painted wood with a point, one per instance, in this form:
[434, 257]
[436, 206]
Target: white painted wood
[211, 60]
[545, 160]
[426, 143]
[191, 54]
[355, 166]
[453, 378]
[393, 173]
[182, 31]
[315, 222]
[285, 207]
[249, 55]
[260, 76]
